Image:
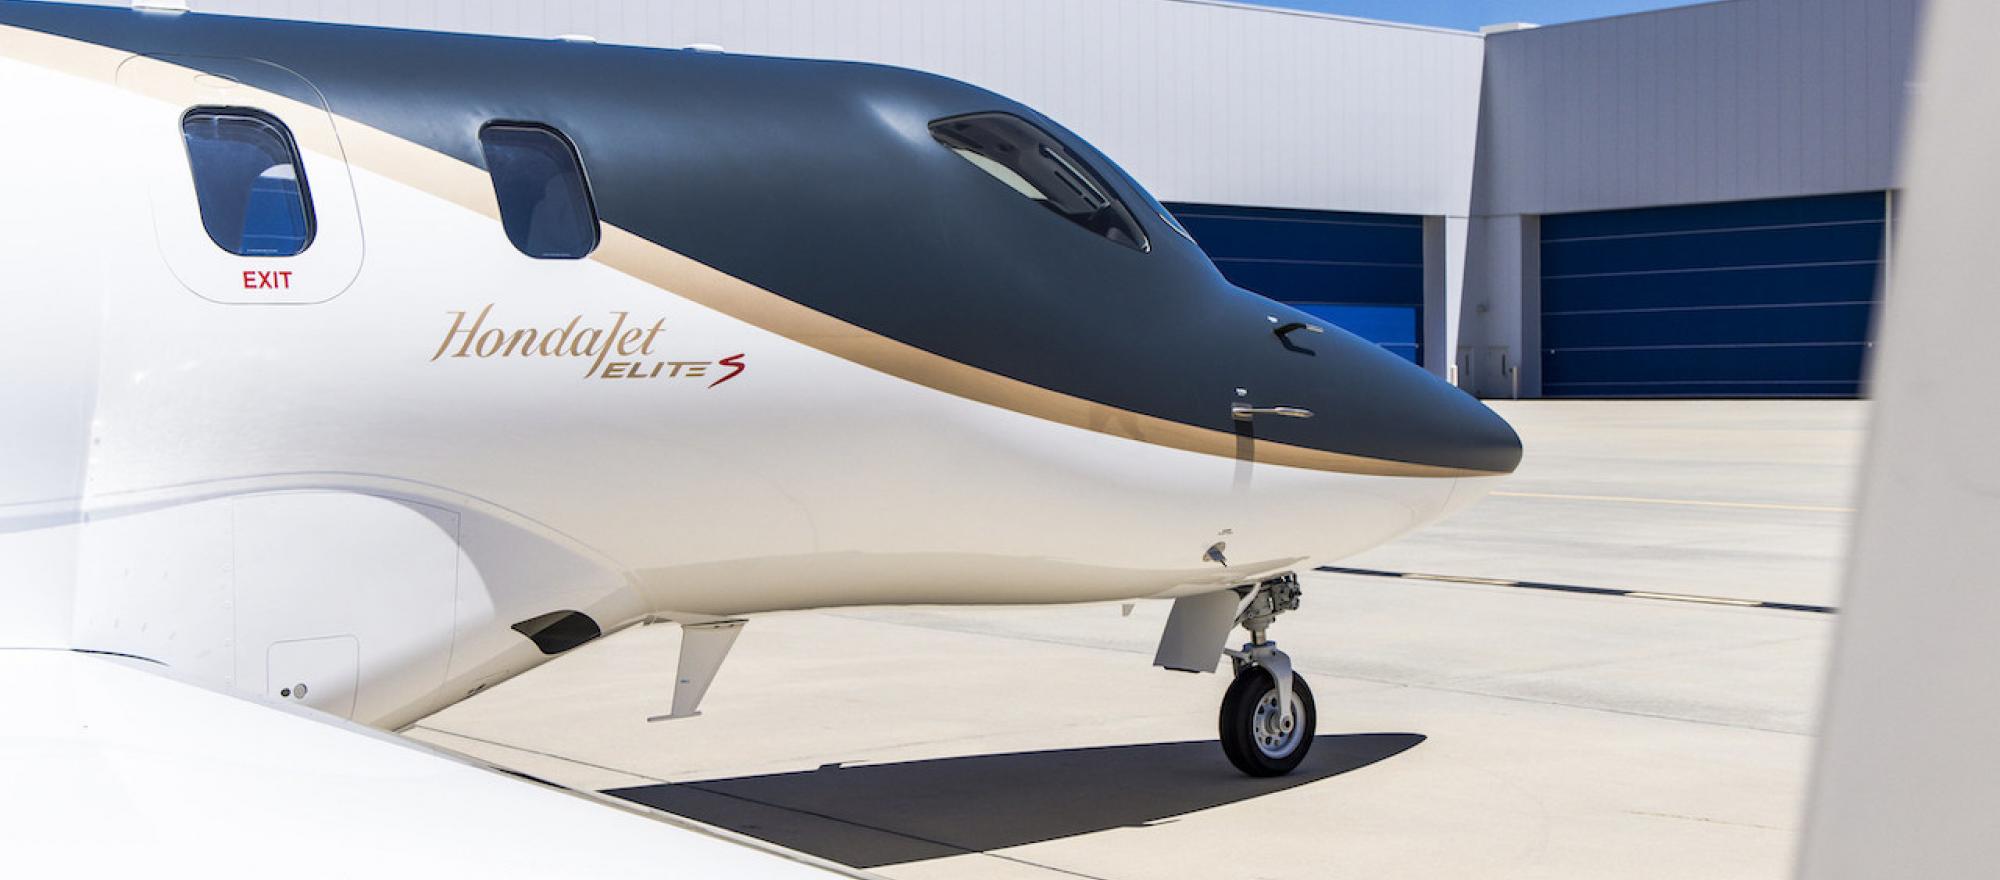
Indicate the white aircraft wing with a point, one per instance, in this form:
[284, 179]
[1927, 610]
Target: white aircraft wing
[110, 769]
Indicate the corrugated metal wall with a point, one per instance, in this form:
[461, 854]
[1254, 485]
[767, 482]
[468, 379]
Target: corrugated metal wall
[1202, 102]
[1718, 102]
[1744, 299]
[1692, 106]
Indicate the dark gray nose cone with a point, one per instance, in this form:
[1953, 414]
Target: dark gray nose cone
[1368, 402]
[1455, 429]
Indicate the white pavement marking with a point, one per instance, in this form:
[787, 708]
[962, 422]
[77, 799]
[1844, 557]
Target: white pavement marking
[1680, 502]
[1684, 597]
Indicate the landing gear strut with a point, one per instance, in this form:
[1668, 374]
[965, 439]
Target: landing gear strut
[1267, 719]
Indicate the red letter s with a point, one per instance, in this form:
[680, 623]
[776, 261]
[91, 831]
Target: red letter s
[735, 363]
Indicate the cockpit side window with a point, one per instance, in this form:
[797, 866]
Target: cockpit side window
[1035, 164]
[538, 182]
[248, 182]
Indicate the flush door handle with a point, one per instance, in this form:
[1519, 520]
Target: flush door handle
[1244, 412]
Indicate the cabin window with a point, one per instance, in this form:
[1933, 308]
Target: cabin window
[544, 200]
[1033, 163]
[248, 181]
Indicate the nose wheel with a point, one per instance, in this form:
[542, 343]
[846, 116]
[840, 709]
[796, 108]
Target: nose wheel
[1258, 735]
[1267, 718]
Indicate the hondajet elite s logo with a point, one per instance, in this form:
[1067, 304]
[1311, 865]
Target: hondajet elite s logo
[577, 339]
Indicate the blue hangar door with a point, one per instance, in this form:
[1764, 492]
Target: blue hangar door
[1361, 272]
[1740, 299]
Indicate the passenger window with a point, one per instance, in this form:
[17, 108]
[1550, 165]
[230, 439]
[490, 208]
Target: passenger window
[1038, 166]
[538, 180]
[249, 182]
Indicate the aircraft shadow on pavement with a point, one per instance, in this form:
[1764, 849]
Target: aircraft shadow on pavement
[888, 814]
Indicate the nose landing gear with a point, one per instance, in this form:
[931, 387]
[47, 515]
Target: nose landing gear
[1267, 718]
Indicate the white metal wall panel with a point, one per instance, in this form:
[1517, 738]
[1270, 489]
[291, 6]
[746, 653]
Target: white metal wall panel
[1719, 102]
[1203, 102]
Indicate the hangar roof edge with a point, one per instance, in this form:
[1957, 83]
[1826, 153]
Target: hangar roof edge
[1329, 16]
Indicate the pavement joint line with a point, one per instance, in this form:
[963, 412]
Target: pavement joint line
[1708, 819]
[1609, 710]
[1691, 598]
[1608, 662]
[1353, 675]
[1677, 502]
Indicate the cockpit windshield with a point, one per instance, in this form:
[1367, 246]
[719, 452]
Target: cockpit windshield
[1038, 166]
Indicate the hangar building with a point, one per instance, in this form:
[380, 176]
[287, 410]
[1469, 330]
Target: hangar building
[1693, 202]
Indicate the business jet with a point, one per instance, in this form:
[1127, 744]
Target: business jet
[353, 371]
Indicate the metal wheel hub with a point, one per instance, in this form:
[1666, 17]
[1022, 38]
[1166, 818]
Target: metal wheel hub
[1276, 733]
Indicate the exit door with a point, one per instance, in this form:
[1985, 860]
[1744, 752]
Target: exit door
[250, 191]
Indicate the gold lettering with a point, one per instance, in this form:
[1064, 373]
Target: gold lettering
[626, 339]
[559, 338]
[607, 339]
[523, 338]
[456, 322]
[469, 336]
[493, 336]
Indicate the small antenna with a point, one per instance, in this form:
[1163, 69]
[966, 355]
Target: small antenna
[160, 5]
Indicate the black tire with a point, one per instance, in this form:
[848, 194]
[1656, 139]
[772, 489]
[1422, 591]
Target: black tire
[1238, 724]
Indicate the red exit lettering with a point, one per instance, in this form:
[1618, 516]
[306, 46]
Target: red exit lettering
[275, 280]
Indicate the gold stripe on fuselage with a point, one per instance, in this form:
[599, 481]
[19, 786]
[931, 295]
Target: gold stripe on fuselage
[463, 184]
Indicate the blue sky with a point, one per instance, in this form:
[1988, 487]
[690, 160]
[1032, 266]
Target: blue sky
[1470, 14]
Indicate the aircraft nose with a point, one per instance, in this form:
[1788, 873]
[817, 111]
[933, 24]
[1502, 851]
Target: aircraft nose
[1462, 430]
[1485, 437]
[1367, 401]
[1417, 417]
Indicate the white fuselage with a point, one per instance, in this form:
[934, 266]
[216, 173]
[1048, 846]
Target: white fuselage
[237, 473]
